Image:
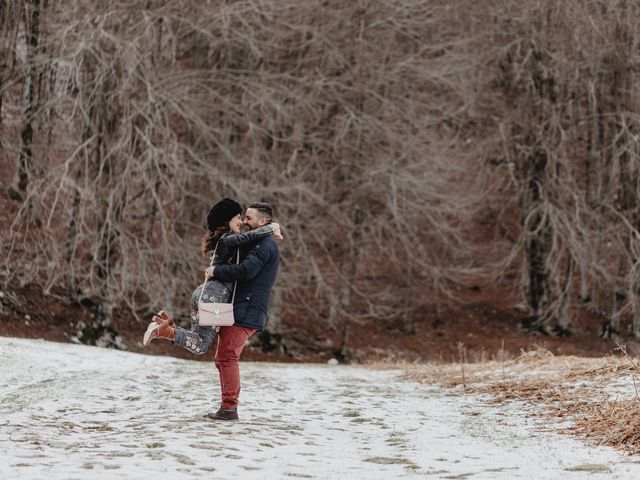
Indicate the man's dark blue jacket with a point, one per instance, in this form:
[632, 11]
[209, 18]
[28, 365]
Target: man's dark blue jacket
[255, 275]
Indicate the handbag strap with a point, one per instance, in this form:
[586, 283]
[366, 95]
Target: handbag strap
[235, 284]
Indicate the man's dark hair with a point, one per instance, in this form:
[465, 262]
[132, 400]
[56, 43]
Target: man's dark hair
[264, 210]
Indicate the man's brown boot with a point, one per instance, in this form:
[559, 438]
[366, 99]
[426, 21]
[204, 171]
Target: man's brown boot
[226, 414]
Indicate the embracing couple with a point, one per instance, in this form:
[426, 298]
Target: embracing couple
[244, 255]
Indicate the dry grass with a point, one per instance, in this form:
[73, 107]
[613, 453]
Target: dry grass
[610, 423]
[597, 395]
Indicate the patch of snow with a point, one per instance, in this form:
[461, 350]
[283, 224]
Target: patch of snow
[72, 411]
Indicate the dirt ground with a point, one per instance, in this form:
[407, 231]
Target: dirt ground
[480, 330]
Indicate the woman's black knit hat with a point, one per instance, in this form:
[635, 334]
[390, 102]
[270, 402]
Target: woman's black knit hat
[222, 212]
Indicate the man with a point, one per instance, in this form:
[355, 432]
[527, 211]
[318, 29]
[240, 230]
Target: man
[255, 275]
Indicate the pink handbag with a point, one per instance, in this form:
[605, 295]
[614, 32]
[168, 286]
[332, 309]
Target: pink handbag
[215, 314]
[212, 314]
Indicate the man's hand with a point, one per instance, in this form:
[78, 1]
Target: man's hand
[208, 273]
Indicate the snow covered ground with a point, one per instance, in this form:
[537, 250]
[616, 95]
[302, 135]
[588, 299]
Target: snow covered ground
[75, 412]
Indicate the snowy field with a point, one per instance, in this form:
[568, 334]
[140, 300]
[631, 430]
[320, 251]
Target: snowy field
[76, 412]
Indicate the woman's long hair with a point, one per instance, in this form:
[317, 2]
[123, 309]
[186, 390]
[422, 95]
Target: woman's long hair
[211, 238]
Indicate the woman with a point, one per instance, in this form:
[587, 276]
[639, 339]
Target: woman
[224, 222]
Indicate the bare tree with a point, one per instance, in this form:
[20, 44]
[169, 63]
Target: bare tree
[408, 147]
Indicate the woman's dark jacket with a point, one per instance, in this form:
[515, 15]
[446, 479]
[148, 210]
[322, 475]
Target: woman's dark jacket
[228, 243]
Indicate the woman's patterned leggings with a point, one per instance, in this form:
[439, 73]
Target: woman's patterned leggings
[199, 339]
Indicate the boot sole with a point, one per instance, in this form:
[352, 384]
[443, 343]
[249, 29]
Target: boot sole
[212, 416]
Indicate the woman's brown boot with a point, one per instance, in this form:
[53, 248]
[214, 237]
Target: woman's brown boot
[159, 328]
[165, 318]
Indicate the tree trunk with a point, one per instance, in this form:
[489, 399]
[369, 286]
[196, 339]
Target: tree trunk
[29, 96]
[355, 236]
[537, 242]
[565, 301]
[634, 291]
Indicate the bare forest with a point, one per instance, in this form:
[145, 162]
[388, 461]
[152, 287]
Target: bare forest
[412, 149]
